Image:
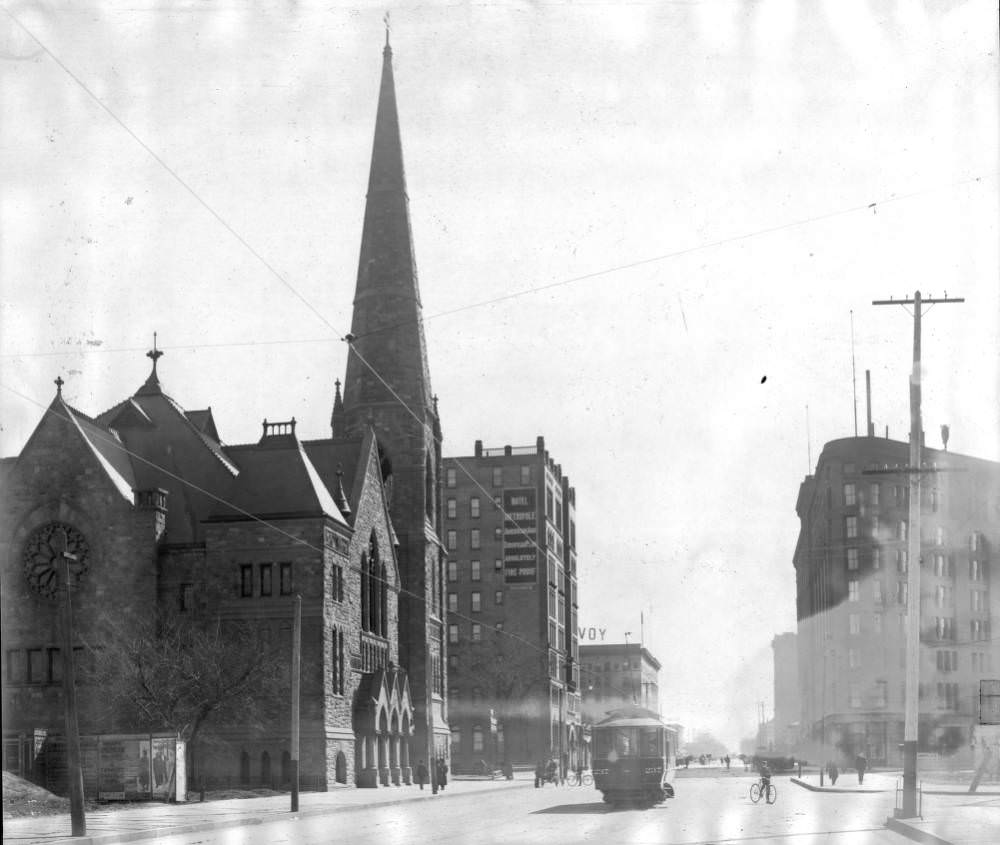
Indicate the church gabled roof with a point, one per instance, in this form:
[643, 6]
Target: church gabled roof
[103, 443]
[277, 478]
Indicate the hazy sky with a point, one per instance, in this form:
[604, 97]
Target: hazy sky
[717, 184]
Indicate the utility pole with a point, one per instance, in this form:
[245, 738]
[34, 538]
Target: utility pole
[296, 661]
[429, 721]
[74, 769]
[915, 471]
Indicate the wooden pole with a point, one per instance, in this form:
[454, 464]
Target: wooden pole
[74, 769]
[296, 660]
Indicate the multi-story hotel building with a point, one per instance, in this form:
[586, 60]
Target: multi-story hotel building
[615, 675]
[851, 579]
[510, 539]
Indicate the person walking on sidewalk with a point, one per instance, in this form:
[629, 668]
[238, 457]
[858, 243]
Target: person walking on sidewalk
[861, 763]
[833, 772]
[442, 773]
[421, 774]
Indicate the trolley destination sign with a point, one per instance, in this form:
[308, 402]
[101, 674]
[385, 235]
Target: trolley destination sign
[520, 536]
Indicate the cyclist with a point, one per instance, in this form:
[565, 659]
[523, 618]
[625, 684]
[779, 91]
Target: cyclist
[765, 778]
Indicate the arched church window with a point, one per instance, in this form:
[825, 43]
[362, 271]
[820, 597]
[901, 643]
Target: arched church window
[375, 599]
[365, 591]
[429, 489]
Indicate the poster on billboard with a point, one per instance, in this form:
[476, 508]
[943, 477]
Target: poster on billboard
[164, 766]
[125, 768]
[520, 536]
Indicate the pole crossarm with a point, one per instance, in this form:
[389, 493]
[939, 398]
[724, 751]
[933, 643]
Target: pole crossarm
[914, 301]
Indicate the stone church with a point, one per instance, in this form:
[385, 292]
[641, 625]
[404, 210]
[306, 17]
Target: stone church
[160, 514]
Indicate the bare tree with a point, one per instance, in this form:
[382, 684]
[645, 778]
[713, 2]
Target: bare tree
[180, 673]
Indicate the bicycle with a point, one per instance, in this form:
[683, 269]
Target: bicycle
[757, 792]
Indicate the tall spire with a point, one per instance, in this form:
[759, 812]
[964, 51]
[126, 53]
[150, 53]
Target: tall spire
[337, 422]
[387, 323]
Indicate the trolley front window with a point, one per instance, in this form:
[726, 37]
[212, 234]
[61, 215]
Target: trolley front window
[649, 742]
[622, 741]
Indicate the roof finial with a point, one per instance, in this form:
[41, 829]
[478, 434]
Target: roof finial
[59, 384]
[154, 354]
[385, 19]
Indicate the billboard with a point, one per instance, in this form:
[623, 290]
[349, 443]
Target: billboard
[520, 536]
[121, 767]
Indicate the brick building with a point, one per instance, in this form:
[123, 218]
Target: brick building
[850, 566]
[510, 540]
[163, 515]
[618, 675]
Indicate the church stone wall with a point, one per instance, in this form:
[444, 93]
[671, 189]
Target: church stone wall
[57, 478]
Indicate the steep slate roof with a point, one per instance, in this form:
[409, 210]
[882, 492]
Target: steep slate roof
[276, 478]
[174, 452]
[107, 446]
[204, 422]
[328, 455]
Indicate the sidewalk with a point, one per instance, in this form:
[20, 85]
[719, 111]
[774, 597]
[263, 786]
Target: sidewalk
[149, 821]
[951, 816]
[953, 820]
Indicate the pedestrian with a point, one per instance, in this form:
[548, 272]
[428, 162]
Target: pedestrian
[579, 773]
[539, 774]
[833, 772]
[421, 774]
[861, 763]
[442, 773]
[727, 762]
[508, 770]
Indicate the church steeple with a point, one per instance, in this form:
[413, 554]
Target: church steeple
[388, 389]
[387, 324]
[337, 426]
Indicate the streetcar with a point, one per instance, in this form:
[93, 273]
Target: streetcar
[634, 757]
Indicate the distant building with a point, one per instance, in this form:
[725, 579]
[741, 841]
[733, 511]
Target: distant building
[616, 674]
[786, 692]
[851, 569]
[510, 539]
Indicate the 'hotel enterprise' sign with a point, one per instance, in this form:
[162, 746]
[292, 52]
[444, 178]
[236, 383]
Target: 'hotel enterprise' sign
[520, 536]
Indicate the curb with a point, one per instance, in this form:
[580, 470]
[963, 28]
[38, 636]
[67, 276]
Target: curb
[195, 827]
[955, 792]
[915, 833]
[814, 788]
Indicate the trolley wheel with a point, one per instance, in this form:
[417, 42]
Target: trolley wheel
[772, 793]
[755, 792]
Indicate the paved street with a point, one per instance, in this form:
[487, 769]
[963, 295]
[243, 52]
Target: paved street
[707, 809]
